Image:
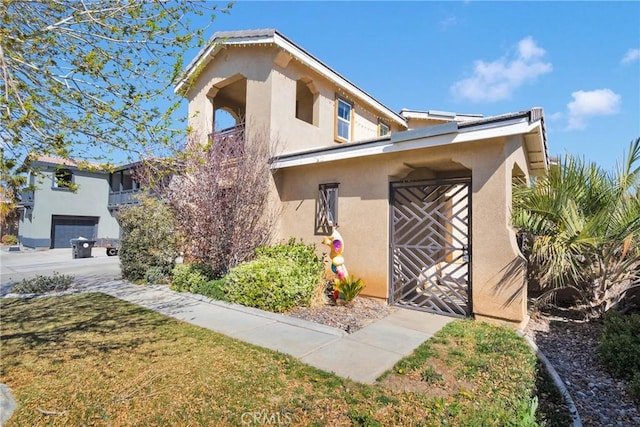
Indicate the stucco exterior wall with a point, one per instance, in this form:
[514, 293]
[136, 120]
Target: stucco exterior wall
[363, 214]
[252, 63]
[291, 133]
[271, 99]
[499, 289]
[90, 199]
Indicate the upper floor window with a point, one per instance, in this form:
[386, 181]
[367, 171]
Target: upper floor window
[344, 120]
[383, 128]
[62, 178]
[326, 208]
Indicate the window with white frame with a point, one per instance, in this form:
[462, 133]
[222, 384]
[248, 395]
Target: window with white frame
[344, 113]
[383, 128]
[326, 208]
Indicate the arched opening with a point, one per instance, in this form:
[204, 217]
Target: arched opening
[306, 101]
[224, 119]
[229, 102]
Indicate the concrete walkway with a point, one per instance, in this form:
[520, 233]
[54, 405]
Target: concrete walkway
[376, 347]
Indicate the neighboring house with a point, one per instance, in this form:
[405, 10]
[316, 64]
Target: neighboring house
[422, 198]
[66, 202]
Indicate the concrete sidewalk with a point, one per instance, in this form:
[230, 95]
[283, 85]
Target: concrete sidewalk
[373, 349]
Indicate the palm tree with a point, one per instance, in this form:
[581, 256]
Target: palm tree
[583, 225]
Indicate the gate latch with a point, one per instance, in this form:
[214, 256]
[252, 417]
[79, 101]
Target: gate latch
[465, 253]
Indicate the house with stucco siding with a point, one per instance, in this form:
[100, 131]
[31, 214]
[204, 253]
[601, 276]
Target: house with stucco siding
[65, 200]
[422, 198]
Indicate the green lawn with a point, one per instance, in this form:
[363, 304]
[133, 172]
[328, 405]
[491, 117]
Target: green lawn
[90, 359]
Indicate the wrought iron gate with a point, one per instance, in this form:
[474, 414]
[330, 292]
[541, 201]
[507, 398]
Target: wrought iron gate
[431, 245]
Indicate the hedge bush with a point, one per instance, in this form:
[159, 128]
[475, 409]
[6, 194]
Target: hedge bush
[187, 277]
[279, 278]
[197, 278]
[619, 348]
[214, 289]
[148, 239]
[41, 284]
[156, 275]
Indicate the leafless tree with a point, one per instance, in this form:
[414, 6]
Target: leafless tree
[222, 198]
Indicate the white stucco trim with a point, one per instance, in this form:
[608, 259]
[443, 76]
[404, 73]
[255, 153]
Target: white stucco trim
[412, 140]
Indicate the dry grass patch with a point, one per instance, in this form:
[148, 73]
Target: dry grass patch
[90, 359]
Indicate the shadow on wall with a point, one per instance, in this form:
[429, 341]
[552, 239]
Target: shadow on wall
[512, 275]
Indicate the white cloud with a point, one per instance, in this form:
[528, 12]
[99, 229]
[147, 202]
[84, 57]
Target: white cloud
[528, 49]
[630, 56]
[496, 80]
[585, 104]
[554, 117]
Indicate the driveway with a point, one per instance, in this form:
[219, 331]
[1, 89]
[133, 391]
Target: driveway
[15, 266]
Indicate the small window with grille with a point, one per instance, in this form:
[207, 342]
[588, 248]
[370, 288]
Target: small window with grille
[326, 208]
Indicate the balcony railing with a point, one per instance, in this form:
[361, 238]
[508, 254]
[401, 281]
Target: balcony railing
[120, 198]
[231, 138]
[27, 199]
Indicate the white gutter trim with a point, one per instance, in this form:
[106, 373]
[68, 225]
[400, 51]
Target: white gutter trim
[490, 130]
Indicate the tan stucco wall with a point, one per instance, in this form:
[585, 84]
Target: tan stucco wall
[364, 215]
[252, 63]
[499, 289]
[270, 99]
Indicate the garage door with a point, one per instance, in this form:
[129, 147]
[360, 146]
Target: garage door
[65, 228]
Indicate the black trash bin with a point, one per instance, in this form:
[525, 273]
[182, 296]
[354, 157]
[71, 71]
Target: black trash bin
[81, 248]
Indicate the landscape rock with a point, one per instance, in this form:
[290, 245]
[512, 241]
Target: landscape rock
[570, 346]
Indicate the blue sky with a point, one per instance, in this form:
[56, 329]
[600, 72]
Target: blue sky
[580, 61]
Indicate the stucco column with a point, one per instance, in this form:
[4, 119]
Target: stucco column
[498, 268]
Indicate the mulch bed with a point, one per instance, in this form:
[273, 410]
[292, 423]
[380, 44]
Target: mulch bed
[350, 318]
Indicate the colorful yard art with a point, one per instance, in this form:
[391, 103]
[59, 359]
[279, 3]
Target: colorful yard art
[345, 289]
[336, 244]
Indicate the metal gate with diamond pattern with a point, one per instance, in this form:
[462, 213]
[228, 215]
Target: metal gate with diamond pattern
[431, 245]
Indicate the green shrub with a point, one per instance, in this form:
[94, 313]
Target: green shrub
[41, 284]
[280, 278]
[148, 239]
[619, 348]
[9, 239]
[214, 289]
[303, 255]
[189, 277]
[634, 387]
[155, 275]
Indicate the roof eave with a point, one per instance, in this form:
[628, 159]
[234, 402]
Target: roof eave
[277, 38]
[432, 136]
[336, 78]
